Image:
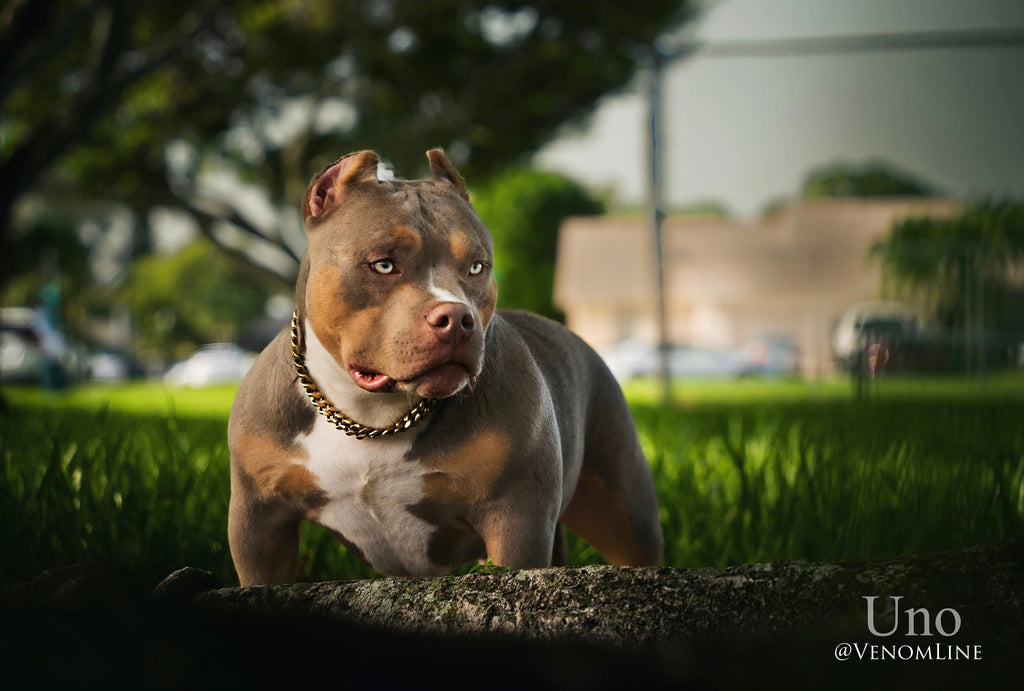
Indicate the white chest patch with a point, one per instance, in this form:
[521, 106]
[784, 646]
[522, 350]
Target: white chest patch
[369, 485]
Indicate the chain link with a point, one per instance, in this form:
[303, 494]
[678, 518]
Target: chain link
[338, 418]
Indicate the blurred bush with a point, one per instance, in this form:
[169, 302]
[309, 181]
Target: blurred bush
[194, 296]
[523, 210]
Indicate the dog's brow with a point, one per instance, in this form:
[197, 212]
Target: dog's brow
[460, 244]
[407, 239]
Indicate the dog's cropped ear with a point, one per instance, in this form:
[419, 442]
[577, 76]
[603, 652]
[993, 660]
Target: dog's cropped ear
[329, 187]
[442, 169]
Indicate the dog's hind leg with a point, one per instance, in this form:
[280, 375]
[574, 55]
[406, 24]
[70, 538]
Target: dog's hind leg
[623, 532]
[614, 506]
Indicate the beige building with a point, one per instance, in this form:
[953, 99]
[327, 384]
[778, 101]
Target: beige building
[793, 273]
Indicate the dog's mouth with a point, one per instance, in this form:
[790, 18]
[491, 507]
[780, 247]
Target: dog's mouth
[436, 381]
[369, 380]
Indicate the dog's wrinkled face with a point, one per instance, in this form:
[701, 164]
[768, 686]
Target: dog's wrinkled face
[399, 286]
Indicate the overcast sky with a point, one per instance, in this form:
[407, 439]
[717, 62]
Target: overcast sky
[745, 131]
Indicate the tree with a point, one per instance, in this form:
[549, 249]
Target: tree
[942, 262]
[52, 269]
[873, 179]
[194, 296]
[523, 210]
[50, 251]
[67, 65]
[841, 179]
[126, 101]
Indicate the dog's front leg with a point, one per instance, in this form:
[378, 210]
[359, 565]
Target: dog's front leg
[263, 536]
[520, 541]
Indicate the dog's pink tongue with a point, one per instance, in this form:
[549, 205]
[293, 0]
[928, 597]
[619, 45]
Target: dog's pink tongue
[371, 381]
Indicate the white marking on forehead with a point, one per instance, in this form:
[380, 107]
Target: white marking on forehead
[443, 294]
[385, 173]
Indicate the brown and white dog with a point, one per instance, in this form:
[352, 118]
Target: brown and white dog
[395, 307]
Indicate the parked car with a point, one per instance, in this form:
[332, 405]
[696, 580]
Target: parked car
[108, 367]
[214, 363]
[630, 359]
[699, 362]
[33, 352]
[21, 353]
[770, 355]
[874, 333]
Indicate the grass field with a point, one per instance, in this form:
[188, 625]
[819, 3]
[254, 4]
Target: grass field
[135, 477]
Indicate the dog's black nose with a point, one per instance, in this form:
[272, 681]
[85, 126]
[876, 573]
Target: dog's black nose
[451, 321]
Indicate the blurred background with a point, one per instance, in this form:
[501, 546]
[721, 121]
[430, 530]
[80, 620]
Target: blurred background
[153, 155]
[808, 214]
[837, 184]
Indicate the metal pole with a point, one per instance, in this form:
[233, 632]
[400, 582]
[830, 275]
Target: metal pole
[655, 203]
[1011, 38]
[979, 317]
[968, 325]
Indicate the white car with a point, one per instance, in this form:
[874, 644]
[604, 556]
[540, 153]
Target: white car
[108, 367]
[215, 363]
[630, 359]
[770, 355]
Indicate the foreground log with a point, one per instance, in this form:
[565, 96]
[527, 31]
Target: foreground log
[791, 624]
[635, 607]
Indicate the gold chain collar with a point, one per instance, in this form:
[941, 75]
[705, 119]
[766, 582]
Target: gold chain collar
[338, 418]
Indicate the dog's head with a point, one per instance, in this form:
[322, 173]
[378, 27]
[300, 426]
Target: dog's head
[397, 281]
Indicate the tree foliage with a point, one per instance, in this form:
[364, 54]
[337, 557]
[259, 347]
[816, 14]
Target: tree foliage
[192, 297]
[126, 101]
[524, 209]
[942, 262]
[873, 179]
[50, 250]
[53, 257]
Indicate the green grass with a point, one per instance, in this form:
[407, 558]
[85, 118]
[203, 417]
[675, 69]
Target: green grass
[750, 391]
[135, 477]
[136, 492]
[137, 398]
[834, 480]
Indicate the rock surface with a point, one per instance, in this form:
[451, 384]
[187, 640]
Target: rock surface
[756, 625]
[635, 607]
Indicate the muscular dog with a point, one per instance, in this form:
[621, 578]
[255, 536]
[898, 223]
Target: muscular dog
[405, 414]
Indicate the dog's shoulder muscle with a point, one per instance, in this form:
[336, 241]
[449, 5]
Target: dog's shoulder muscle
[269, 402]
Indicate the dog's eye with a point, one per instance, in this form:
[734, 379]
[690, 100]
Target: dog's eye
[476, 268]
[384, 266]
